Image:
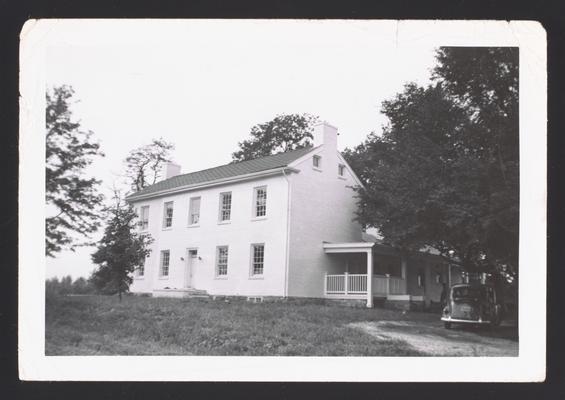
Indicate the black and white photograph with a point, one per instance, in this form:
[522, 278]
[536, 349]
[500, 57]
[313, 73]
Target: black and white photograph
[263, 197]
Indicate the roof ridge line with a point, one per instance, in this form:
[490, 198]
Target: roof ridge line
[239, 162]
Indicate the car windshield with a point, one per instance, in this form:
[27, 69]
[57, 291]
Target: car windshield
[466, 292]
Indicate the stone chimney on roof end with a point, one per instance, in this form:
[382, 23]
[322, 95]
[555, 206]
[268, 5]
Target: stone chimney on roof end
[325, 134]
[172, 169]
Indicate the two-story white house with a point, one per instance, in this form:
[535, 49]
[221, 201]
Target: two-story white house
[277, 226]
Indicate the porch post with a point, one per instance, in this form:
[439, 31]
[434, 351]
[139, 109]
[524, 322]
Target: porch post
[403, 266]
[370, 279]
[346, 283]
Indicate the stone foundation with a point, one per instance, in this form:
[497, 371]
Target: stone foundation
[405, 304]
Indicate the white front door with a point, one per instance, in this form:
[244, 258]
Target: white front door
[192, 257]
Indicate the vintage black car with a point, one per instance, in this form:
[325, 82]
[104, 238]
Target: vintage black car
[472, 304]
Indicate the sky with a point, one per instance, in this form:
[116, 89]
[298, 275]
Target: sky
[203, 85]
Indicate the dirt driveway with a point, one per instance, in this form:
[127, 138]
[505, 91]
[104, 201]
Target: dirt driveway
[433, 339]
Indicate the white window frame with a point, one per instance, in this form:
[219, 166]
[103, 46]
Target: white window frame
[162, 264]
[221, 209]
[143, 223]
[255, 201]
[217, 267]
[317, 161]
[191, 212]
[253, 262]
[165, 216]
[140, 270]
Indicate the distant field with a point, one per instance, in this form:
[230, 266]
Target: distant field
[100, 325]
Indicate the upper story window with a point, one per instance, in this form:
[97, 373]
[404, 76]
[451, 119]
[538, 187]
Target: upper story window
[144, 218]
[194, 211]
[222, 261]
[225, 206]
[168, 215]
[258, 259]
[260, 201]
[341, 169]
[165, 260]
[317, 161]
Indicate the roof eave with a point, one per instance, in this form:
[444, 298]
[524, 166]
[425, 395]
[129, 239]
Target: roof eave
[239, 178]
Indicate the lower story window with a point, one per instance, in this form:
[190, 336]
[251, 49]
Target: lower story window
[258, 259]
[141, 269]
[222, 261]
[165, 259]
[421, 281]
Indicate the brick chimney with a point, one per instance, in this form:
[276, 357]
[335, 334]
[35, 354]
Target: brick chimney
[325, 134]
[172, 169]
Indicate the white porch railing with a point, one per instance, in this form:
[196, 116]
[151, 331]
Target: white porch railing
[346, 284]
[356, 284]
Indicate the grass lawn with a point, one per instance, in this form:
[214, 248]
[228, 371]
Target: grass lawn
[100, 325]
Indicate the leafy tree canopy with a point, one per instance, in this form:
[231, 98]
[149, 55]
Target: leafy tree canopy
[144, 165]
[120, 251]
[73, 196]
[285, 132]
[445, 172]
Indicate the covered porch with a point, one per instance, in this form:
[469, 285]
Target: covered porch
[361, 260]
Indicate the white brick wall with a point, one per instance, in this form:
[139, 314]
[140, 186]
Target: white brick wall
[239, 234]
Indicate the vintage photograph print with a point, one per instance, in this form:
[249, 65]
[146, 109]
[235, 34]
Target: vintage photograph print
[275, 193]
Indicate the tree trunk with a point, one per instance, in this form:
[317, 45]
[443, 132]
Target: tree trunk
[120, 295]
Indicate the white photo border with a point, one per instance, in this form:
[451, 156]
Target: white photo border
[529, 366]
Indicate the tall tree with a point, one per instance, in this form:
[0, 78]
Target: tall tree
[444, 173]
[120, 251]
[484, 82]
[144, 165]
[285, 132]
[73, 196]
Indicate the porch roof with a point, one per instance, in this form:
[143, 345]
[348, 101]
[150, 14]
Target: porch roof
[350, 247]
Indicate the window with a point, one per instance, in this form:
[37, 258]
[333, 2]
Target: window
[165, 259]
[317, 162]
[194, 211]
[421, 281]
[140, 271]
[168, 215]
[257, 259]
[260, 201]
[225, 206]
[341, 169]
[144, 218]
[222, 261]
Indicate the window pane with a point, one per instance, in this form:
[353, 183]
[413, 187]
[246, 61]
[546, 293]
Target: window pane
[165, 257]
[144, 219]
[316, 161]
[141, 268]
[225, 206]
[258, 259]
[260, 202]
[194, 215]
[168, 217]
[222, 261]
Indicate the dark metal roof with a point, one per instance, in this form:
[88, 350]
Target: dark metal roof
[224, 171]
